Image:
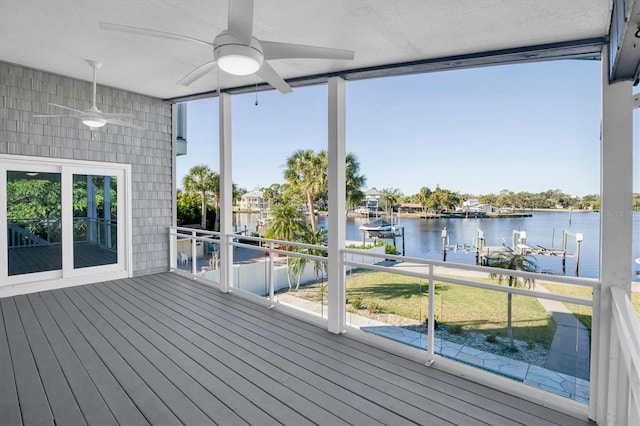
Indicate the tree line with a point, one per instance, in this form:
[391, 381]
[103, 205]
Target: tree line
[306, 186]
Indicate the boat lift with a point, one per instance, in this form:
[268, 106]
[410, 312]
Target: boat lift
[518, 245]
[394, 231]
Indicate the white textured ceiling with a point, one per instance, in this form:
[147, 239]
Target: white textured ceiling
[58, 35]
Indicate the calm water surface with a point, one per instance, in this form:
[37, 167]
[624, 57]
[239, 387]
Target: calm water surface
[423, 237]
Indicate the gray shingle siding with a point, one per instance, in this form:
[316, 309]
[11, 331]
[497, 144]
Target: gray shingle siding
[24, 92]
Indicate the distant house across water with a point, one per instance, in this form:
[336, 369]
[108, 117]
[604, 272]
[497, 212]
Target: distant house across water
[473, 205]
[254, 201]
[371, 203]
[410, 208]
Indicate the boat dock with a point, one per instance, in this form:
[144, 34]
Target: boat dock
[518, 245]
[473, 215]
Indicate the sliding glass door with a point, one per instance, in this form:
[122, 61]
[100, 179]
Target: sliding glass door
[95, 220]
[62, 220]
[34, 223]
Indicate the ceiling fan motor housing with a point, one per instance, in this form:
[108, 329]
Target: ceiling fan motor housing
[235, 57]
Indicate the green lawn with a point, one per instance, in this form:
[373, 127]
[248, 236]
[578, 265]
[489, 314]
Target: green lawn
[468, 308]
[455, 306]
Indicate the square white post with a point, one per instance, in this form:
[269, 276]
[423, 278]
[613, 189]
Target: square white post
[337, 203]
[616, 227]
[174, 174]
[226, 194]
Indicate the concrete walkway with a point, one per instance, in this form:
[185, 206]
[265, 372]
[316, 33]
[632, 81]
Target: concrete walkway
[570, 348]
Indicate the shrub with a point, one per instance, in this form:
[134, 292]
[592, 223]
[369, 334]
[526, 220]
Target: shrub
[373, 307]
[491, 338]
[360, 246]
[455, 329]
[388, 247]
[356, 303]
[436, 323]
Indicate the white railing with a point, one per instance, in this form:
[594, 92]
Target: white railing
[187, 245]
[194, 251]
[624, 375]
[103, 232]
[426, 269]
[20, 237]
[191, 252]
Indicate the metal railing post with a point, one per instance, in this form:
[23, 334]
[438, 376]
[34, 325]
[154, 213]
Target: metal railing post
[431, 319]
[272, 278]
[193, 253]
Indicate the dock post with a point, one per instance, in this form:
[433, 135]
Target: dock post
[579, 239]
[444, 244]
[564, 252]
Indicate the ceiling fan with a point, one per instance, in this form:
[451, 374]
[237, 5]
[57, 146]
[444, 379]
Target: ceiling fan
[93, 117]
[236, 51]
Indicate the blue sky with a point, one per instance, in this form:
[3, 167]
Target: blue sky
[527, 127]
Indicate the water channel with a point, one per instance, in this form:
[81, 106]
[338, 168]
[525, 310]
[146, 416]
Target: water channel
[423, 237]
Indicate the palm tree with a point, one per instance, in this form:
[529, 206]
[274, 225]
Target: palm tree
[354, 181]
[287, 223]
[423, 198]
[205, 182]
[515, 262]
[297, 265]
[390, 197]
[306, 172]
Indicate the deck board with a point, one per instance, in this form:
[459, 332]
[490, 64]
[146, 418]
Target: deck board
[275, 346]
[111, 391]
[366, 365]
[280, 373]
[33, 401]
[60, 397]
[9, 408]
[90, 402]
[150, 405]
[163, 349]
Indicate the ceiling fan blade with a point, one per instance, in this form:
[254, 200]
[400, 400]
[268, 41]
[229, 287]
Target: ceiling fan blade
[268, 74]
[69, 108]
[124, 124]
[108, 116]
[51, 116]
[241, 20]
[150, 33]
[276, 50]
[197, 74]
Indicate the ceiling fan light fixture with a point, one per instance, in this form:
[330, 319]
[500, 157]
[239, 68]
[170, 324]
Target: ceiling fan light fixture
[238, 64]
[94, 121]
[238, 59]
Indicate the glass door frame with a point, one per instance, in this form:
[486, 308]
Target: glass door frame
[68, 275]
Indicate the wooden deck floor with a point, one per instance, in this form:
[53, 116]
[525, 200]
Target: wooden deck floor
[162, 349]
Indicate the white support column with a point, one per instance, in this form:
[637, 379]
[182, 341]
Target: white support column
[226, 194]
[616, 227]
[174, 152]
[92, 212]
[337, 203]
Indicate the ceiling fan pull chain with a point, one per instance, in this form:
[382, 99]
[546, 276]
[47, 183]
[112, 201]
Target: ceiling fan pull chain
[256, 103]
[218, 79]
